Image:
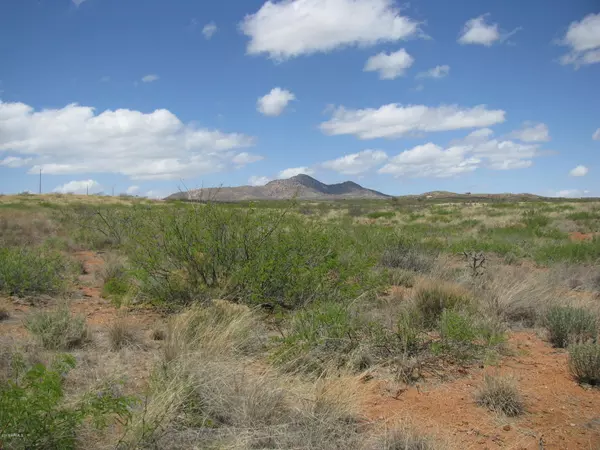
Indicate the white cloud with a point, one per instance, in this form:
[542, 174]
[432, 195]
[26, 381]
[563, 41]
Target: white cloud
[390, 65]
[462, 156]
[78, 2]
[477, 31]
[570, 193]
[132, 189]
[241, 159]
[435, 72]
[209, 30]
[430, 160]
[258, 181]
[532, 132]
[291, 28]
[579, 171]
[274, 102]
[155, 145]
[583, 38]
[596, 135]
[395, 120]
[293, 171]
[79, 187]
[14, 162]
[356, 163]
[155, 195]
[150, 78]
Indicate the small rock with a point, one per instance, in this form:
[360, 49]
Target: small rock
[506, 427]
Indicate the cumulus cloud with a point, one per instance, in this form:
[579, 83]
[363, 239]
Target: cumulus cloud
[476, 150]
[356, 163]
[155, 145]
[435, 72]
[430, 160]
[291, 28]
[570, 193]
[132, 189]
[532, 132]
[395, 120]
[150, 78]
[293, 171]
[258, 181]
[15, 161]
[79, 187]
[244, 158]
[583, 38]
[596, 135]
[478, 31]
[209, 30]
[579, 171]
[389, 65]
[275, 102]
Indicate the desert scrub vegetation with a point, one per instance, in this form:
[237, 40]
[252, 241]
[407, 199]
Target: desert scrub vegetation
[121, 334]
[115, 277]
[567, 325]
[500, 394]
[432, 298]
[34, 414]
[584, 363]
[57, 329]
[30, 271]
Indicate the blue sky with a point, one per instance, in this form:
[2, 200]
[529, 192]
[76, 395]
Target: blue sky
[147, 96]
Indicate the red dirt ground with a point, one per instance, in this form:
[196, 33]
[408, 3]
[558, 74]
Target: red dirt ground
[560, 413]
[578, 237]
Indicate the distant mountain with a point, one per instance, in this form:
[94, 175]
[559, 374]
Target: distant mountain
[302, 187]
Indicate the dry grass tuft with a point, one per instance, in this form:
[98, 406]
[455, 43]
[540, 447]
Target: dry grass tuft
[500, 394]
[122, 333]
[432, 298]
[58, 329]
[584, 363]
[403, 437]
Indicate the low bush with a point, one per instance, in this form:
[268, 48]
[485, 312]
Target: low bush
[114, 276]
[381, 214]
[500, 394]
[33, 413]
[407, 257]
[403, 438]
[123, 334]
[30, 271]
[584, 363]
[567, 325]
[58, 329]
[433, 298]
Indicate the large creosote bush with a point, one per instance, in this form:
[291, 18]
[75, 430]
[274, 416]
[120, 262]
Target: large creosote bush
[30, 271]
[191, 252]
[33, 414]
[567, 324]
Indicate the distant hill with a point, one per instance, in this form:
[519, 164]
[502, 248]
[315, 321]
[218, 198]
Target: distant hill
[302, 187]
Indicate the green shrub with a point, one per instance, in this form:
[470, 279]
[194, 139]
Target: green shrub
[115, 277]
[580, 252]
[567, 325]
[432, 299]
[26, 271]
[381, 214]
[500, 394]
[58, 329]
[33, 414]
[584, 363]
[533, 219]
[408, 257]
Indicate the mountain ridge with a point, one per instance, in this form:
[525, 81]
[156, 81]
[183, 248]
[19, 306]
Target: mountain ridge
[301, 187]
